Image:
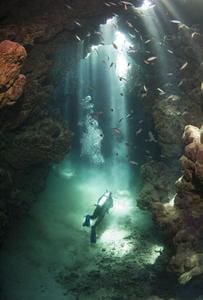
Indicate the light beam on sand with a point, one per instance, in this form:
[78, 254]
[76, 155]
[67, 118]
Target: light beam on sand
[114, 240]
[122, 203]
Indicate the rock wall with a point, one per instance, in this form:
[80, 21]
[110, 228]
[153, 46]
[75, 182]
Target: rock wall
[174, 97]
[183, 219]
[158, 185]
[26, 151]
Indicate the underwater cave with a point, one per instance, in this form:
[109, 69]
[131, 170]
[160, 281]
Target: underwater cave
[101, 171]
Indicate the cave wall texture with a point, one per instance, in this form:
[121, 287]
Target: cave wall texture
[38, 47]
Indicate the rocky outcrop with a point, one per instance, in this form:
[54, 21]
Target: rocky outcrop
[173, 95]
[12, 56]
[158, 185]
[183, 219]
[44, 142]
[26, 150]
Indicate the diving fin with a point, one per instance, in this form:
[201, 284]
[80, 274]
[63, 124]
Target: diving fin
[93, 238]
[87, 221]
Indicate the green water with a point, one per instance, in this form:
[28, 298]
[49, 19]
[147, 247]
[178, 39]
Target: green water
[48, 255]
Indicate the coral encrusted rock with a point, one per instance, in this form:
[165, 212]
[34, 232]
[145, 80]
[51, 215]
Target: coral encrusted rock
[183, 219]
[158, 184]
[12, 56]
[44, 142]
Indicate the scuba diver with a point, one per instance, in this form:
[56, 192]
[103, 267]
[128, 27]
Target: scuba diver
[104, 203]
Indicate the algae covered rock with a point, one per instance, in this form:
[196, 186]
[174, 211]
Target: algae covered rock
[12, 56]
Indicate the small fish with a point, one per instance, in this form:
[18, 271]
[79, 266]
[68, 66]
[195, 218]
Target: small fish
[151, 137]
[129, 115]
[111, 65]
[132, 162]
[201, 87]
[138, 131]
[181, 82]
[122, 78]
[132, 35]
[69, 7]
[136, 30]
[129, 24]
[141, 121]
[161, 91]
[127, 3]
[120, 120]
[115, 46]
[98, 33]
[152, 58]
[112, 3]
[147, 42]
[176, 21]
[116, 130]
[170, 51]
[184, 66]
[145, 89]
[77, 23]
[132, 50]
[77, 37]
[121, 94]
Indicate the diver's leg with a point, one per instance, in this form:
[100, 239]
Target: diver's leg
[93, 237]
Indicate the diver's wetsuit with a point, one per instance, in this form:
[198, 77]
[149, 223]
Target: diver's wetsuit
[104, 203]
